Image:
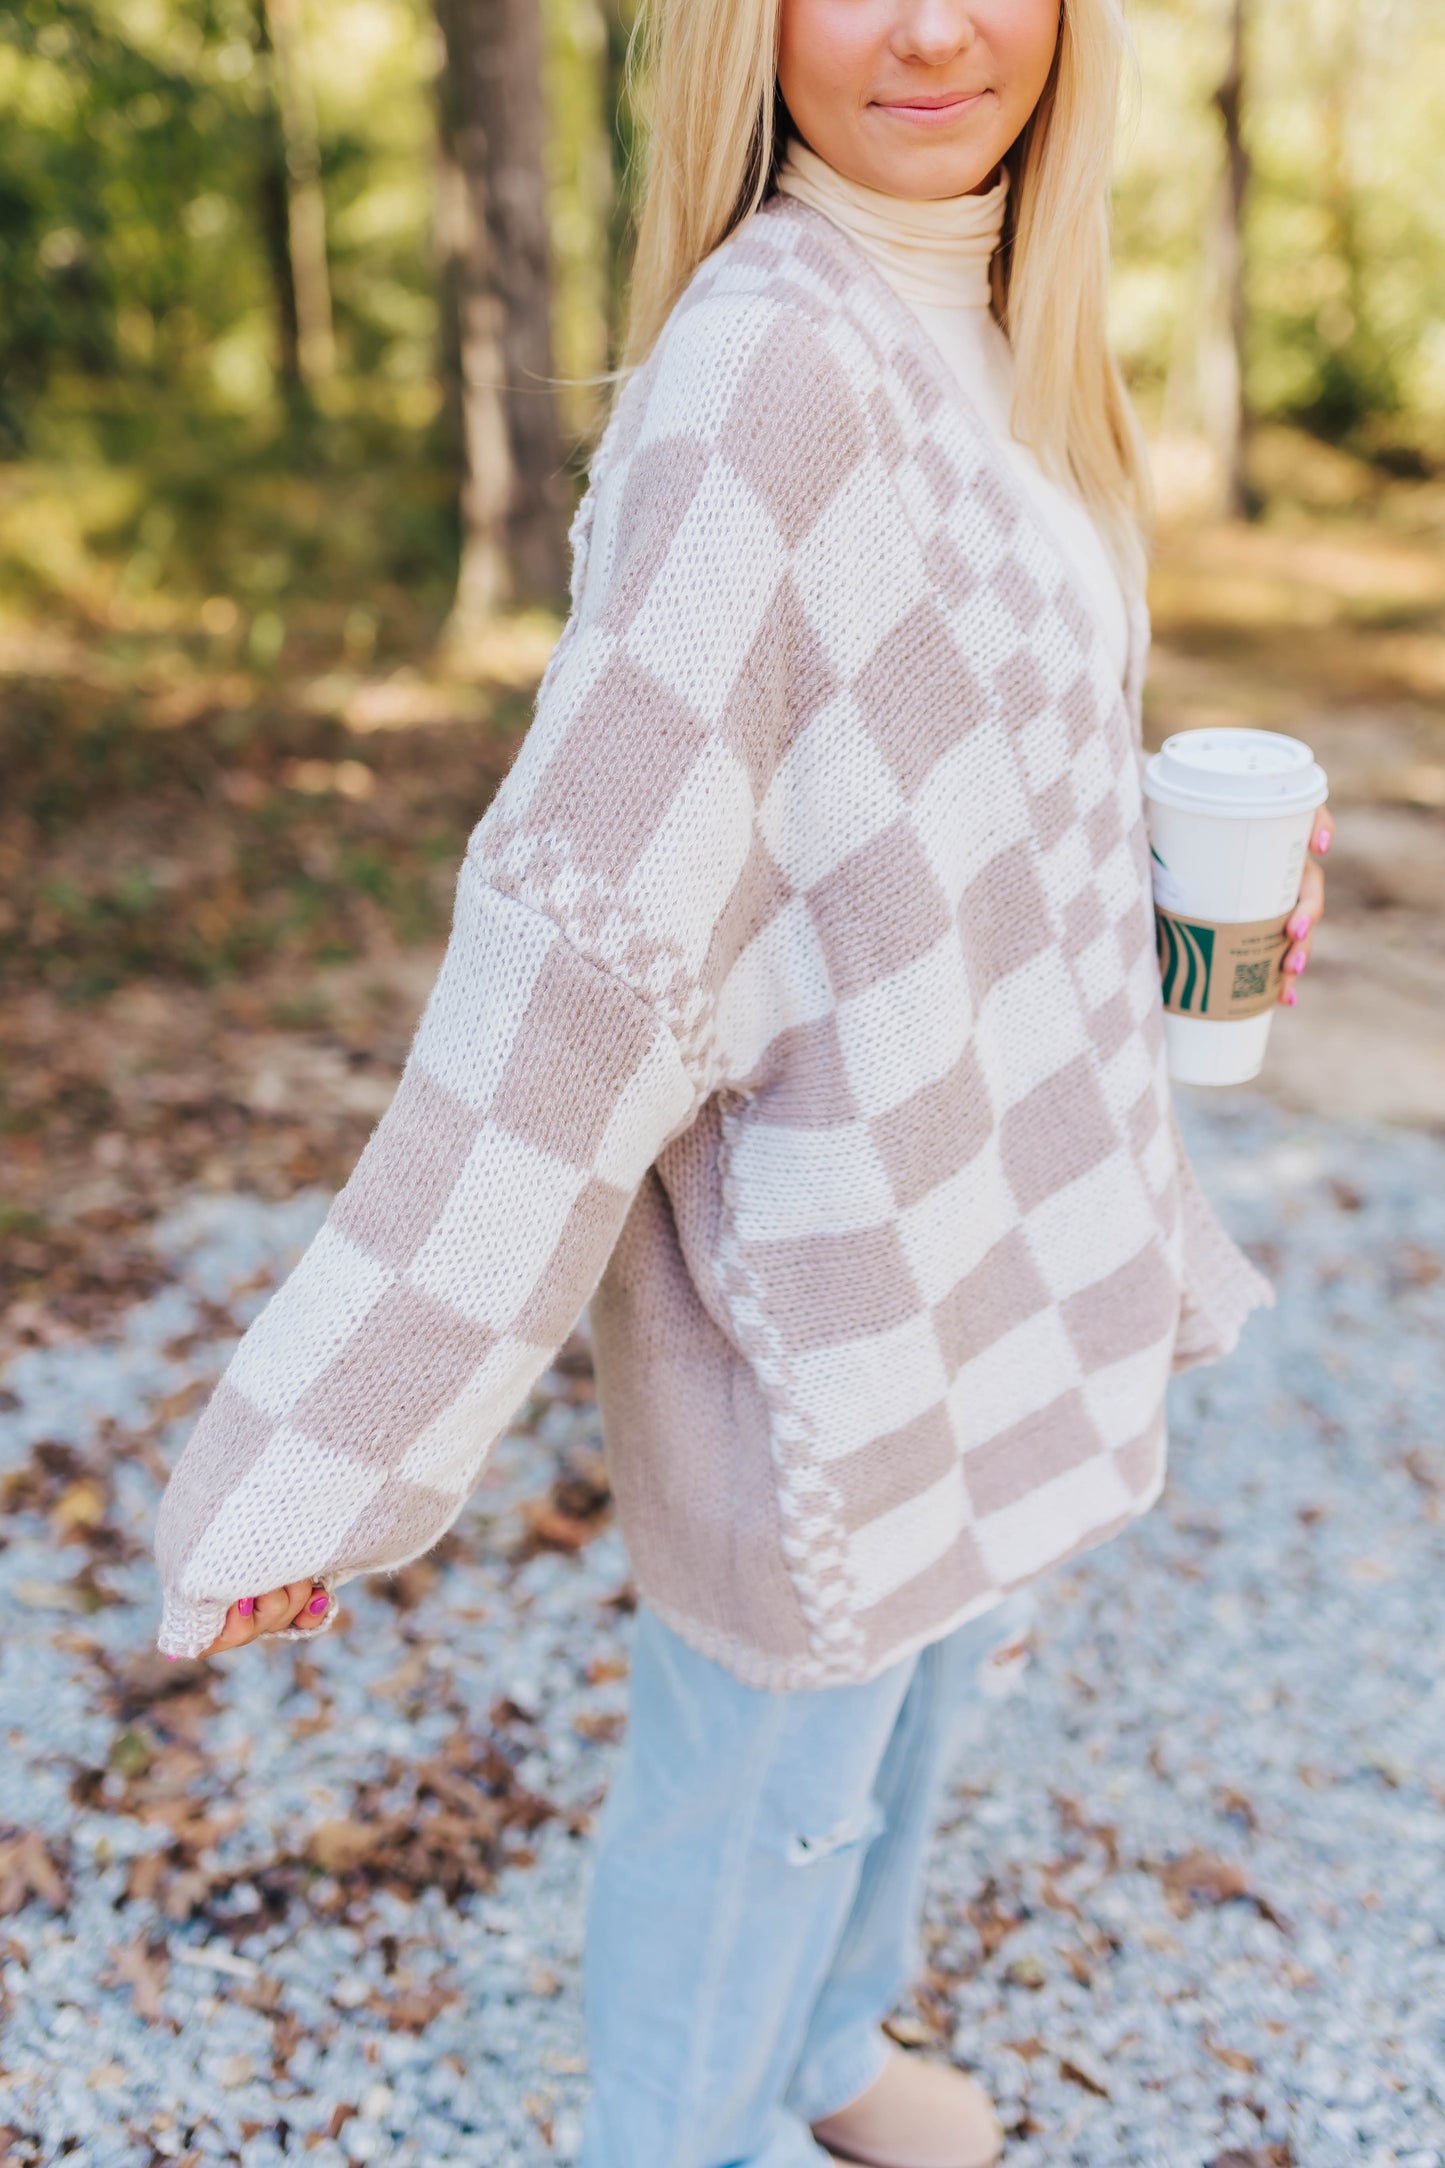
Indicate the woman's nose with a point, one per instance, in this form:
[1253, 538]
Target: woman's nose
[932, 30]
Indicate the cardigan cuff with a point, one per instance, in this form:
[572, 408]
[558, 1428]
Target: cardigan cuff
[189, 1624]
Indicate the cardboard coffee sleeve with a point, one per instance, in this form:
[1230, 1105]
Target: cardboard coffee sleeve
[1221, 972]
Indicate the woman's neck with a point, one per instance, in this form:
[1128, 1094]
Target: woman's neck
[935, 254]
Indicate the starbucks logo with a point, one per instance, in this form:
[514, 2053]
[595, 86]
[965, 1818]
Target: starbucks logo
[1186, 963]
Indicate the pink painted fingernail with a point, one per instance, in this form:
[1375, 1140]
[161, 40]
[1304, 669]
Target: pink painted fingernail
[1299, 926]
[318, 1603]
[1290, 996]
[1323, 845]
[246, 1606]
[169, 1658]
[1296, 961]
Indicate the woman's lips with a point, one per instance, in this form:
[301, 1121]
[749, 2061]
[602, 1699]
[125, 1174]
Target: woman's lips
[932, 112]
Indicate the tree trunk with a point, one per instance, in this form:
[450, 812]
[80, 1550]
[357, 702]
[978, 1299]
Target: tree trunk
[1226, 396]
[493, 235]
[305, 204]
[274, 205]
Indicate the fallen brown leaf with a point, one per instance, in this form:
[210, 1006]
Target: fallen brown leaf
[414, 2009]
[1077, 2075]
[577, 1507]
[144, 1876]
[184, 1893]
[1203, 1878]
[145, 1972]
[1104, 1834]
[993, 1920]
[551, 1530]
[28, 1870]
[37, 1487]
[149, 1678]
[408, 1678]
[80, 1506]
[339, 1846]
[409, 1584]
[584, 1486]
[1423, 1472]
[286, 2036]
[1056, 1899]
[909, 2032]
[183, 1401]
[1232, 2058]
[600, 1723]
[1413, 1266]
[195, 1823]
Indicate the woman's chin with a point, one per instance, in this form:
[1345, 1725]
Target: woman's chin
[927, 157]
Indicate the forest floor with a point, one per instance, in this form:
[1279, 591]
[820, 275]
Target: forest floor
[226, 867]
[226, 864]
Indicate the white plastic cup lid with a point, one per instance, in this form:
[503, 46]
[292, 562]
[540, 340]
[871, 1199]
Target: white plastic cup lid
[1232, 770]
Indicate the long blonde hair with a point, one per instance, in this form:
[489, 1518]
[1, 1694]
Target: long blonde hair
[702, 74]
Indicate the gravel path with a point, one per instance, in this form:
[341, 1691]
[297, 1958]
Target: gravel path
[1189, 1908]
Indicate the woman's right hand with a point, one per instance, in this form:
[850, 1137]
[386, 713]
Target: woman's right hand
[300, 1603]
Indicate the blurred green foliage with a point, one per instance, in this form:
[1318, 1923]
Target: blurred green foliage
[149, 447]
[131, 161]
[1345, 123]
[151, 454]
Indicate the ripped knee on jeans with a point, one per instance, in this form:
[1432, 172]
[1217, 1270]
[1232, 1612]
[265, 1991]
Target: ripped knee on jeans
[804, 1848]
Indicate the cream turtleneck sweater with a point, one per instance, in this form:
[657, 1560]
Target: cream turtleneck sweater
[936, 255]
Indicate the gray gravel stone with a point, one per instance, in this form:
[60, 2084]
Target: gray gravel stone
[1248, 1682]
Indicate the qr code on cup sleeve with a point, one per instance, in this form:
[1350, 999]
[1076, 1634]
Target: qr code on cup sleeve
[1250, 980]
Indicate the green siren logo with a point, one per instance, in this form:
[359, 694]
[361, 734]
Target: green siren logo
[1186, 963]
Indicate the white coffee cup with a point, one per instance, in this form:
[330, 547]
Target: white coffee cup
[1230, 813]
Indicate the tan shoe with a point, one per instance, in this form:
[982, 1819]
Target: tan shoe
[916, 2114]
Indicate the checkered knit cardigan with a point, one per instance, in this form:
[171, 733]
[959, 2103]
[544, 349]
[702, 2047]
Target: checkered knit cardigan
[802, 977]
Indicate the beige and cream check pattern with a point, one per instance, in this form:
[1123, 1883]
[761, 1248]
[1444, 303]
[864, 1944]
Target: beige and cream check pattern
[802, 990]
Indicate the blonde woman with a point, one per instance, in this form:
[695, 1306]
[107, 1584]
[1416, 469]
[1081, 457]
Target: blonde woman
[801, 993]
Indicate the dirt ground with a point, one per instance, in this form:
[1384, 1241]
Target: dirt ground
[223, 895]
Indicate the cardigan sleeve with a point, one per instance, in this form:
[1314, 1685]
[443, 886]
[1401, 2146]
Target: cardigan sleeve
[567, 1037]
[355, 1414]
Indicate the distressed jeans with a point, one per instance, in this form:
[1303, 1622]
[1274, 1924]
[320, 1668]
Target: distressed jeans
[756, 1893]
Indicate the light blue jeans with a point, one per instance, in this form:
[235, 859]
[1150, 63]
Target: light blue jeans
[756, 1892]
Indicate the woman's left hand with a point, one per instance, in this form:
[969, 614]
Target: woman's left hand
[1309, 910]
[300, 1603]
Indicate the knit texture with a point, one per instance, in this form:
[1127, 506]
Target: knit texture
[803, 968]
[936, 257]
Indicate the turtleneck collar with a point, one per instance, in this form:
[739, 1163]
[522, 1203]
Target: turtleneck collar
[934, 254]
